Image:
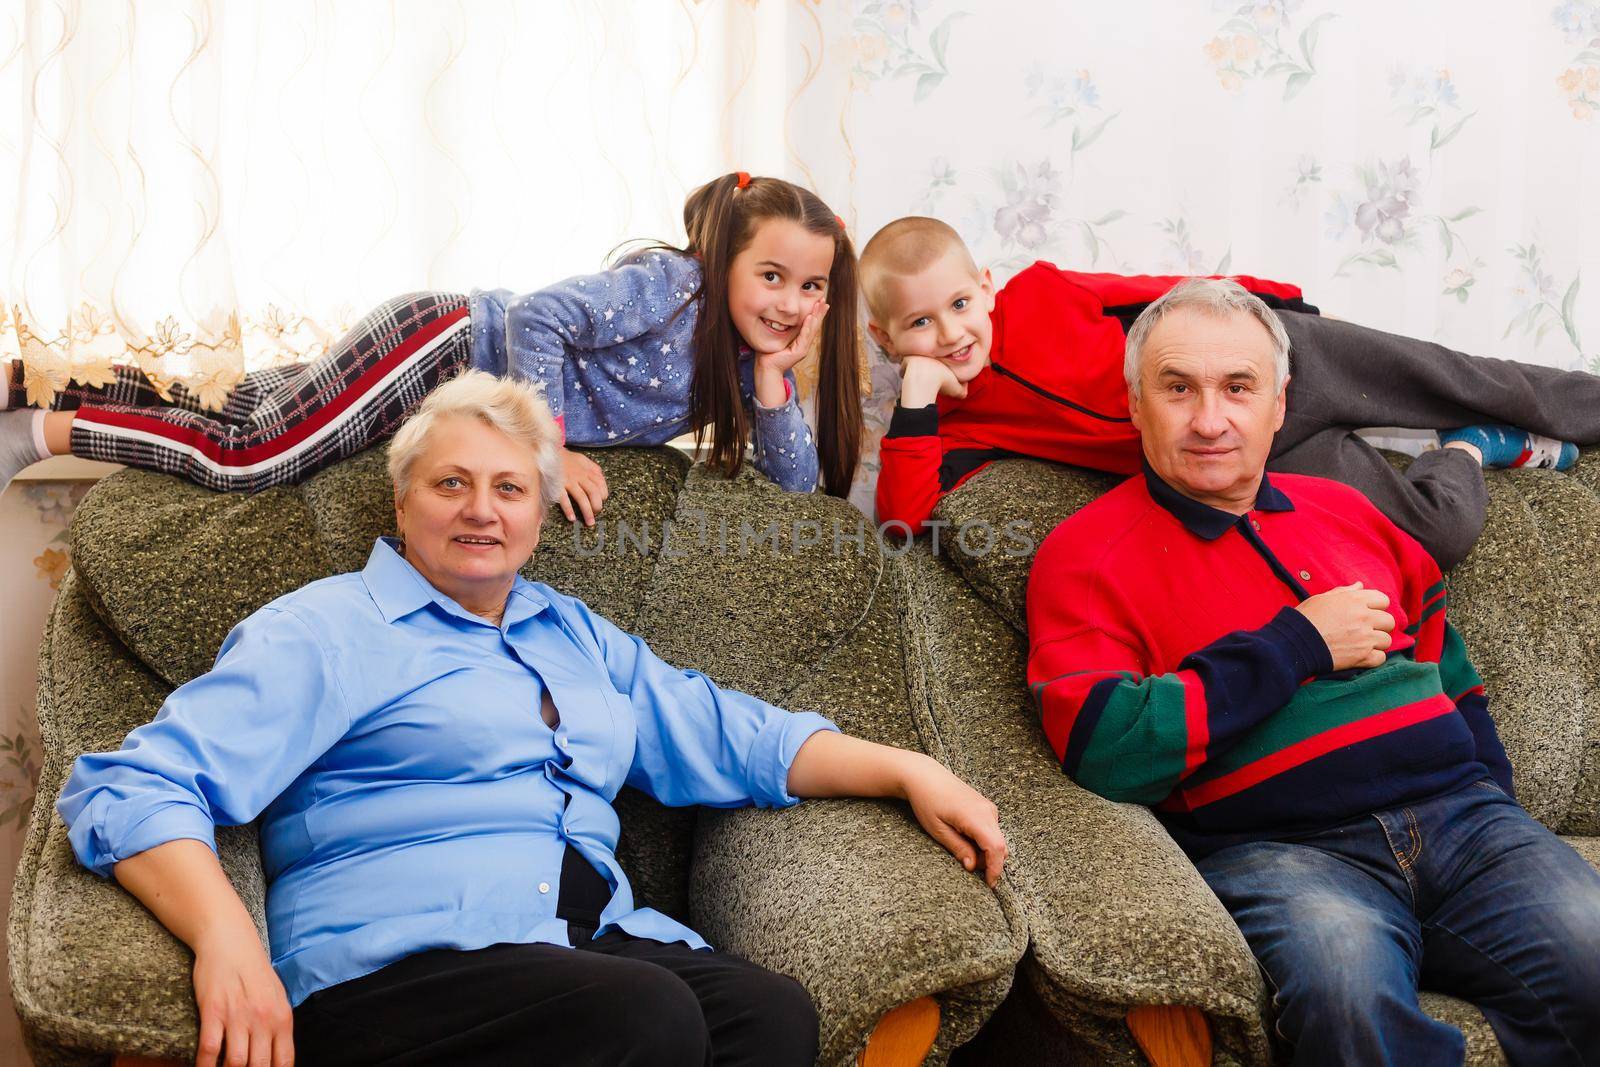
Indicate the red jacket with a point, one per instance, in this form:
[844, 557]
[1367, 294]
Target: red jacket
[1053, 388]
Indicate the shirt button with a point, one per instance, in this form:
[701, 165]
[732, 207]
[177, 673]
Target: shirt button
[561, 742]
[1305, 576]
[544, 887]
[1255, 524]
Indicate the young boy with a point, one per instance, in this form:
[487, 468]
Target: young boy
[1035, 369]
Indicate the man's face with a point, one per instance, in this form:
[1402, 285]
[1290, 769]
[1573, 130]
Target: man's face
[1209, 405]
[942, 313]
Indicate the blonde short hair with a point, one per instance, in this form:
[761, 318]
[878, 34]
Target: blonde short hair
[903, 247]
[512, 406]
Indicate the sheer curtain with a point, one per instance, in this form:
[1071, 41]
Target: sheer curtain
[205, 187]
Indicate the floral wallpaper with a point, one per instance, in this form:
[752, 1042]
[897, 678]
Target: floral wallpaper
[1410, 168]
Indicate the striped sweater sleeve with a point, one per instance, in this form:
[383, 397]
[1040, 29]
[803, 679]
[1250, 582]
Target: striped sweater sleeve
[1119, 728]
[1438, 642]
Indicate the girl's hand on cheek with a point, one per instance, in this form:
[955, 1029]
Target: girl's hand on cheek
[785, 358]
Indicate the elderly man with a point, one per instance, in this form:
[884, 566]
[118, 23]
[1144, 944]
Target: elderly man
[1267, 663]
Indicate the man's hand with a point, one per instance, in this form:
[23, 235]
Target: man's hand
[1354, 622]
[924, 379]
[957, 816]
[583, 487]
[244, 1011]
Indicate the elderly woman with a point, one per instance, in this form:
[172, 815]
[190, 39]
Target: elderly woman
[433, 745]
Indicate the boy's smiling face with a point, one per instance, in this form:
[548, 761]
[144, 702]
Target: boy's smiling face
[940, 312]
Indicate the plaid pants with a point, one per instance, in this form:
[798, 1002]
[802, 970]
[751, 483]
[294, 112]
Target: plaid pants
[282, 425]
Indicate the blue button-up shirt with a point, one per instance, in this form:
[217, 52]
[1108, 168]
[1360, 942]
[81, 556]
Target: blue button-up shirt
[411, 796]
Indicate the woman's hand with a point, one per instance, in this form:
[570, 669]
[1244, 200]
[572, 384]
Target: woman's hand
[583, 487]
[772, 366]
[244, 1011]
[957, 816]
[243, 1008]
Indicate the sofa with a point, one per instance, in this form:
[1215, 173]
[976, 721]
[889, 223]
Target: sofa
[1116, 915]
[1120, 953]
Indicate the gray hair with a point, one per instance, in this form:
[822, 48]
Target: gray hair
[512, 406]
[1213, 296]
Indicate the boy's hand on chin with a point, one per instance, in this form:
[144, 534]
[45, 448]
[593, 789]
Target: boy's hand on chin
[924, 379]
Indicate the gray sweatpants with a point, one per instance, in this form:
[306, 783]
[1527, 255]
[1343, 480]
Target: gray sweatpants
[1345, 377]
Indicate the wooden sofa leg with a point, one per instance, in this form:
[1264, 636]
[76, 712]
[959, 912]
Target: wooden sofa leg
[903, 1036]
[1170, 1036]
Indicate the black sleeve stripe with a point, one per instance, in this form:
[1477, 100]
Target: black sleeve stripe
[914, 422]
[1094, 705]
[960, 462]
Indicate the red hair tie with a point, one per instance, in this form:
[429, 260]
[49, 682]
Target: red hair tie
[744, 179]
[840, 221]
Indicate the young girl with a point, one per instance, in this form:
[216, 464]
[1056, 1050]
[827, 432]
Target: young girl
[701, 339]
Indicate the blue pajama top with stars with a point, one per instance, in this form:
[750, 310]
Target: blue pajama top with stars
[613, 354]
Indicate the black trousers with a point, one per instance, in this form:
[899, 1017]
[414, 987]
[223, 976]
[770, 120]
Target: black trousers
[1345, 376]
[611, 1000]
[615, 1000]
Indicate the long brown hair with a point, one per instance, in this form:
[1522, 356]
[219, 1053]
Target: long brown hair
[721, 220]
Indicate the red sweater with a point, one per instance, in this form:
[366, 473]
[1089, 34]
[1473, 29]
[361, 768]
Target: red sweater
[1053, 388]
[1171, 668]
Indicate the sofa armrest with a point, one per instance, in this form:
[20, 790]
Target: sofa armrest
[92, 971]
[1117, 914]
[851, 898]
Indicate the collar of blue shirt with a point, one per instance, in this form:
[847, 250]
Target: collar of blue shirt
[399, 589]
[1203, 520]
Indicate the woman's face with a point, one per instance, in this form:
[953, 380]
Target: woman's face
[471, 517]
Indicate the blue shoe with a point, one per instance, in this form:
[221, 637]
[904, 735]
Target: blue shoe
[1507, 446]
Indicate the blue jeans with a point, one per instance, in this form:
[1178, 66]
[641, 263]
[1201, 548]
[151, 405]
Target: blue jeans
[1464, 894]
